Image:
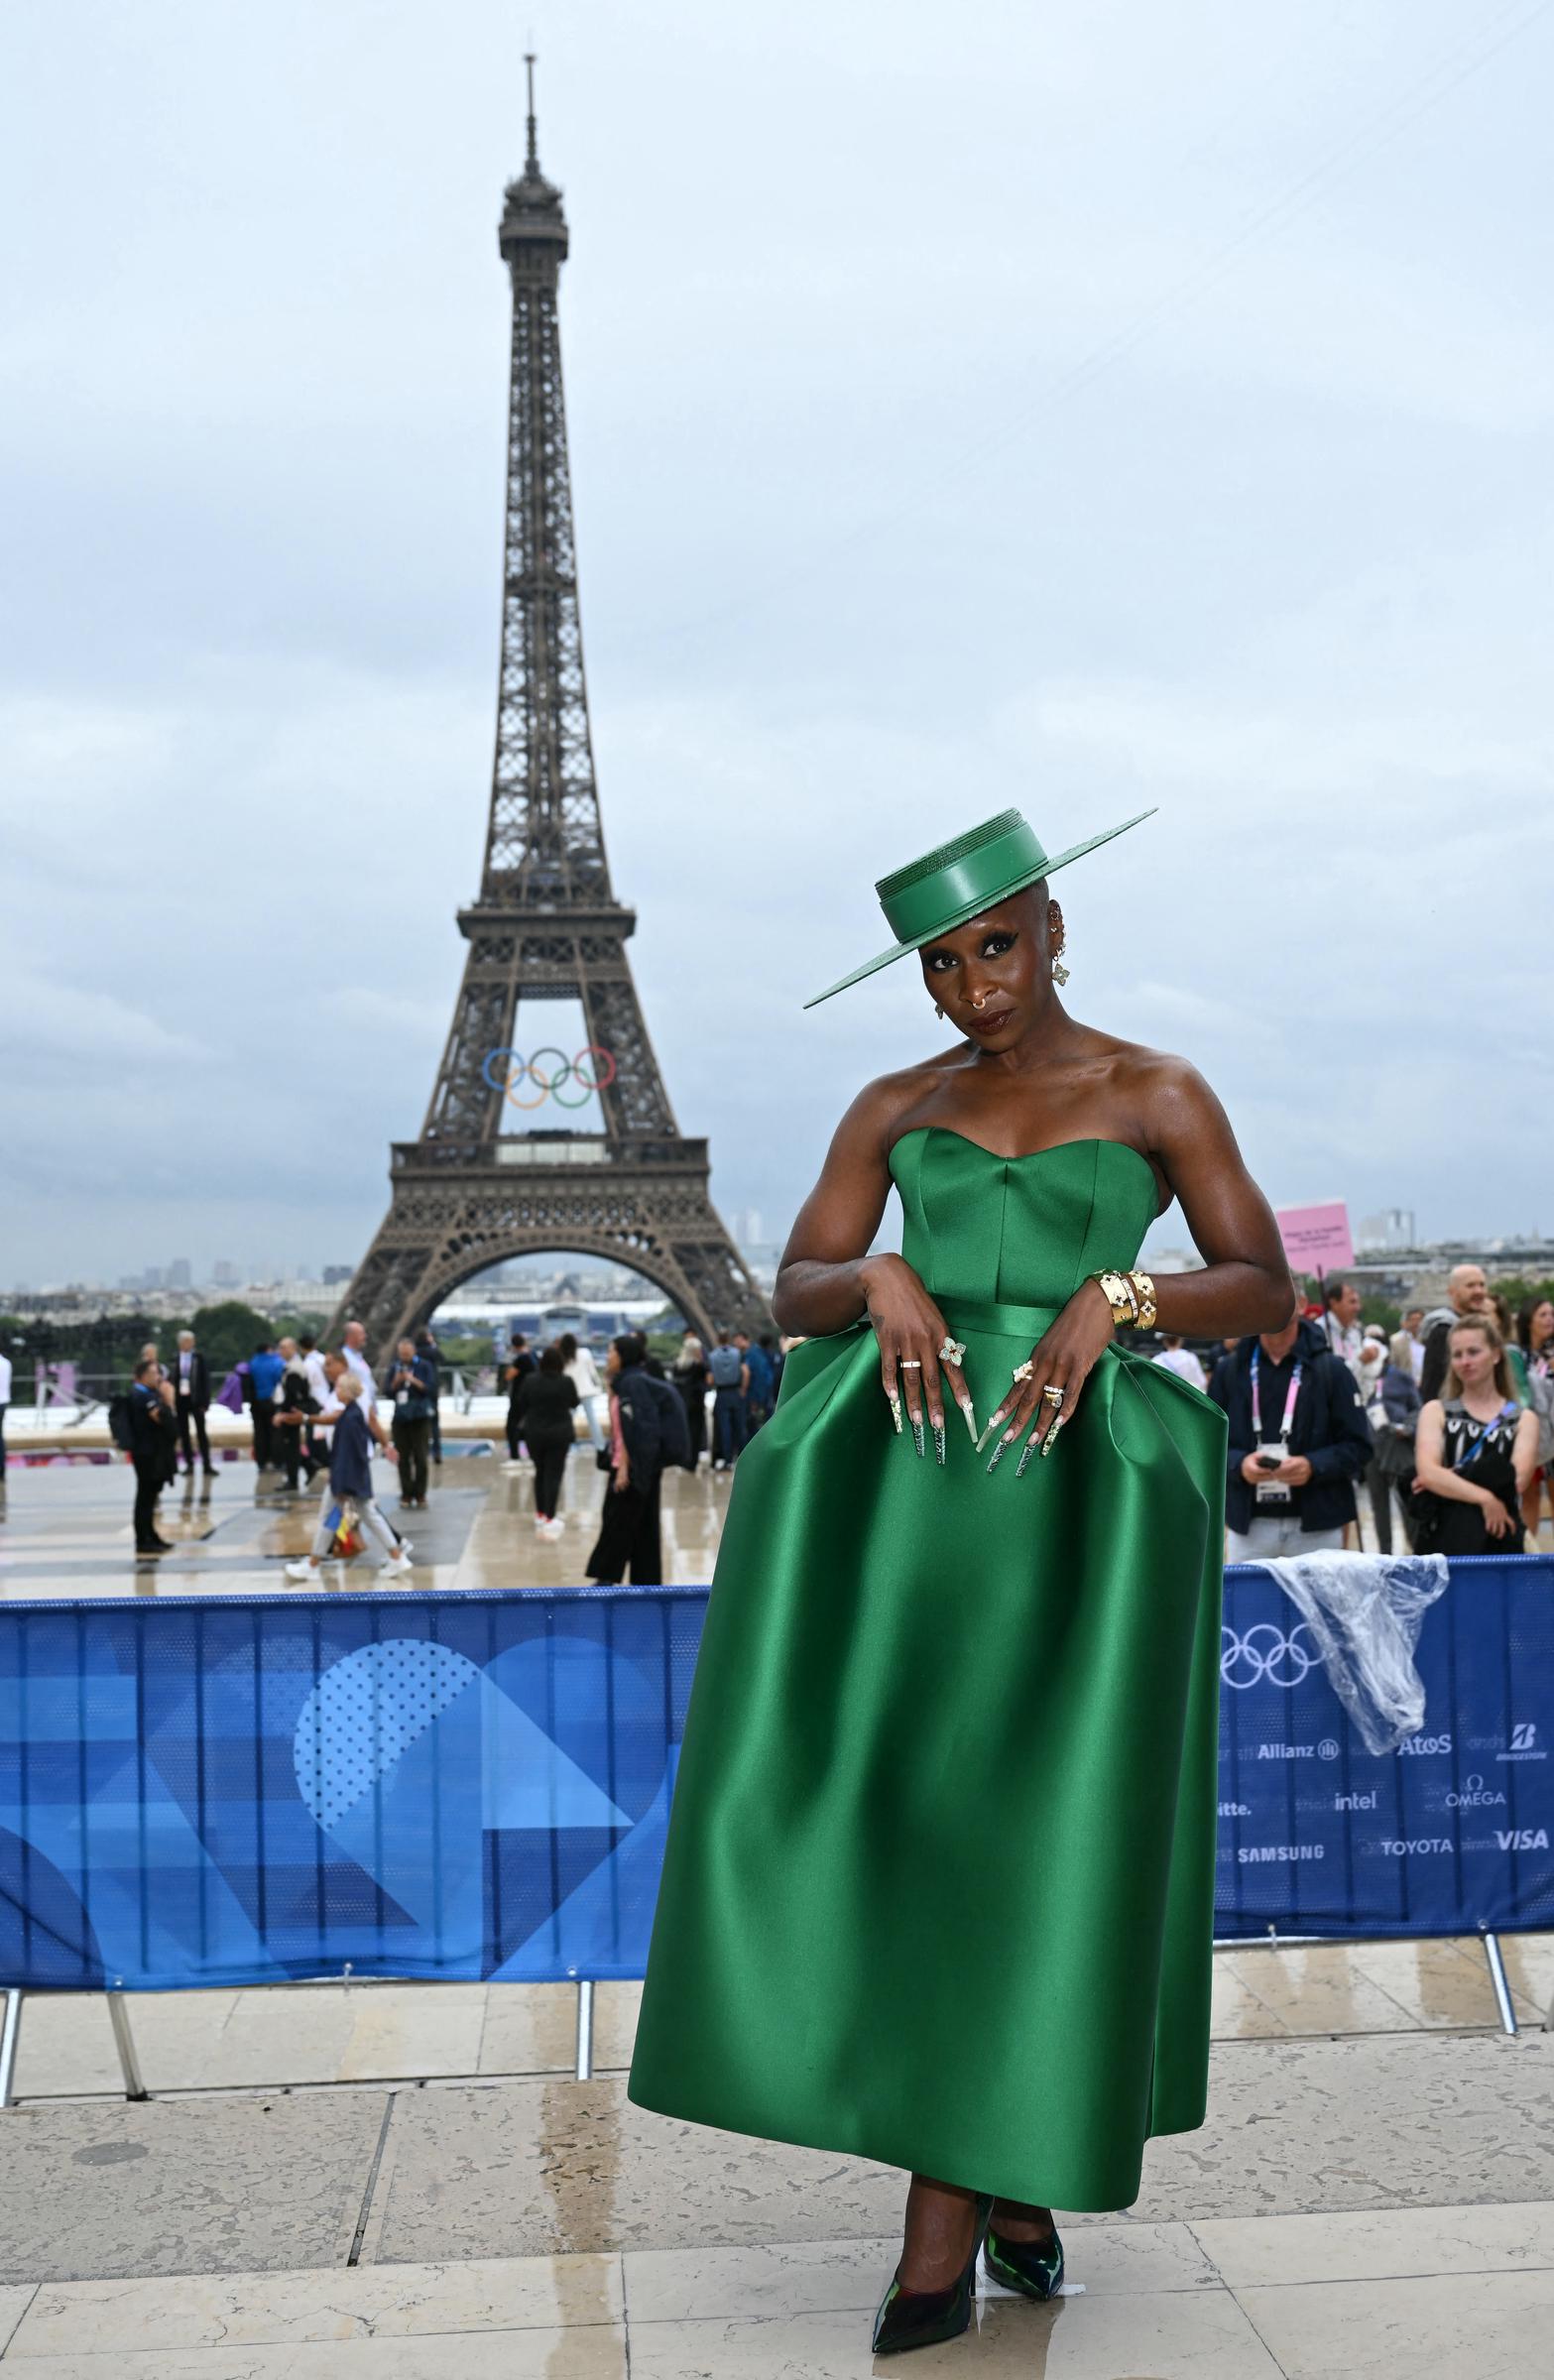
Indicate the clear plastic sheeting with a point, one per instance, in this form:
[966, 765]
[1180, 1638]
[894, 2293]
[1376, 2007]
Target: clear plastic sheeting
[1364, 1613]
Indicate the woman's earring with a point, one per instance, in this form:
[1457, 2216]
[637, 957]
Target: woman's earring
[1059, 971]
[938, 1011]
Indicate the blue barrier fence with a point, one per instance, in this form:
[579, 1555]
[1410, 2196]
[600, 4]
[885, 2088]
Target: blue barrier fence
[1448, 1834]
[250, 1791]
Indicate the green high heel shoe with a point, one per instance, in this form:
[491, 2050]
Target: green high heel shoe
[1020, 2264]
[922, 2318]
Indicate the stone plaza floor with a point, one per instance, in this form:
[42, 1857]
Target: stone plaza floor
[395, 2180]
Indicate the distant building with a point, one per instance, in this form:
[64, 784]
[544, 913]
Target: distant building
[1390, 1229]
[334, 1274]
[225, 1274]
[180, 1273]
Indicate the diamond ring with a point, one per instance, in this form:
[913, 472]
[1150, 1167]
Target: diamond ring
[1053, 1394]
[951, 1351]
[910, 1363]
[1023, 1371]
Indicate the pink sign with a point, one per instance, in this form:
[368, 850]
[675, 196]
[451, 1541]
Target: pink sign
[1316, 1239]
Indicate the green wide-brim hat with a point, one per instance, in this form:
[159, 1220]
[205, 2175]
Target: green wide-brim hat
[957, 880]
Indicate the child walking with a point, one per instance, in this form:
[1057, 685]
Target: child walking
[350, 1475]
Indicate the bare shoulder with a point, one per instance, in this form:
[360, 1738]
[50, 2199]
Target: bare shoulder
[1168, 1094]
[880, 1113]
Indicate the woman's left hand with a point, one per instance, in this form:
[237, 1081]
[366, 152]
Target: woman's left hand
[1063, 1358]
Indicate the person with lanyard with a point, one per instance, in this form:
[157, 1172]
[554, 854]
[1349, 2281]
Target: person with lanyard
[1298, 1441]
[1477, 1451]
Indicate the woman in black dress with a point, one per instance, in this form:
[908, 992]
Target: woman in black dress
[1478, 1449]
[545, 1403]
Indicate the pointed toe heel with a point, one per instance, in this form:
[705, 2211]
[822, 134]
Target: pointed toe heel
[924, 2318]
[1017, 2264]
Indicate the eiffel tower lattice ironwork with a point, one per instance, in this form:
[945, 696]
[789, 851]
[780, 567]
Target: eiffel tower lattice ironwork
[474, 1190]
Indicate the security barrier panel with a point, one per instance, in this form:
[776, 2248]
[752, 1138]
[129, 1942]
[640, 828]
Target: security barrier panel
[1449, 1835]
[231, 1791]
[225, 1791]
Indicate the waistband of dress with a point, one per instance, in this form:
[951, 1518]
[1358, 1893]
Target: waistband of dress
[986, 1314]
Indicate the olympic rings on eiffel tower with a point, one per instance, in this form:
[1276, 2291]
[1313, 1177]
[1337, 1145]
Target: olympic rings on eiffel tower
[506, 1069]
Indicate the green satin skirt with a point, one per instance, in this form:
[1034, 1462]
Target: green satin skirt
[939, 1881]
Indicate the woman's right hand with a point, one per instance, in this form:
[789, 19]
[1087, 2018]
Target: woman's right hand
[910, 1331]
[1496, 1517]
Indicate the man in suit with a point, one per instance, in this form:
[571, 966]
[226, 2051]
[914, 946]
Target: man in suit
[150, 1422]
[192, 1391]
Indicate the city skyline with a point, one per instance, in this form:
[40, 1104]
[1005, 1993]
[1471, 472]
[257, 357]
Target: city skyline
[1206, 496]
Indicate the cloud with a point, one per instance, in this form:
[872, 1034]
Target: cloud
[925, 463]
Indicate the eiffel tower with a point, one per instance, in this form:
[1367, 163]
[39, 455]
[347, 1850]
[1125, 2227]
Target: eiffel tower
[482, 1186]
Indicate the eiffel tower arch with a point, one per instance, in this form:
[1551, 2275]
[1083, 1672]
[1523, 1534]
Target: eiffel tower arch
[477, 1187]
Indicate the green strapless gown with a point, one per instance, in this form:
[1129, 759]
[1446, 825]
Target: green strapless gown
[939, 1881]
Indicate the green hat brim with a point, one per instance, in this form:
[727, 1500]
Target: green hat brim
[962, 916]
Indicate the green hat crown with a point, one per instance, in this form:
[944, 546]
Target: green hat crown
[919, 897]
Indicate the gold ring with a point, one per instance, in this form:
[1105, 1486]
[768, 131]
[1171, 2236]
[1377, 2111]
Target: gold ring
[1053, 1394]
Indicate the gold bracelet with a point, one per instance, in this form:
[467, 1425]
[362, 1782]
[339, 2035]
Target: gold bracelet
[1143, 1291]
[1118, 1290]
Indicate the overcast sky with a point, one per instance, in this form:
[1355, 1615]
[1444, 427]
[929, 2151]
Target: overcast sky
[1073, 407]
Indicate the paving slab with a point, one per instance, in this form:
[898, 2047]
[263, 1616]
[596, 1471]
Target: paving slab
[1386, 2244]
[179, 2185]
[294, 2308]
[14, 2301]
[1456, 2326]
[592, 2354]
[1391, 2120]
[800, 2277]
[525, 2169]
[1181, 2335]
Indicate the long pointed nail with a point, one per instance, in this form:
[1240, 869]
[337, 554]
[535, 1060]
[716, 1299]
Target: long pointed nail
[918, 1434]
[988, 1432]
[938, 1440]
[1050, 1439]
[1030, 1448]
[971, 1421]
[997, 1452]
[896, 1414]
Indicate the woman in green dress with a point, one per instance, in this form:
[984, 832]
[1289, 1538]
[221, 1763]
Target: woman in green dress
[939, 1888]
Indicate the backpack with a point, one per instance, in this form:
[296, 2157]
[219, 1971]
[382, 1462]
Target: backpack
[674, 1428]
[119, 1427]
[725, 1365]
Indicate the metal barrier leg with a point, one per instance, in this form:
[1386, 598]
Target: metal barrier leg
[585, 2032]
[124, 2043]
[10, 2035]
[1503, 1998]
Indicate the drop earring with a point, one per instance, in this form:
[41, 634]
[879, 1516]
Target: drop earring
[938, 1011]
[1059, 971]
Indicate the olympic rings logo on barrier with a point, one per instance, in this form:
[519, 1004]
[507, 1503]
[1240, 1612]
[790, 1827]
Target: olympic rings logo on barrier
[1265, 1651]
[507, 1070]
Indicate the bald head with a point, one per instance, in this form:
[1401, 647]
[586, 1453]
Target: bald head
[1467, 1289]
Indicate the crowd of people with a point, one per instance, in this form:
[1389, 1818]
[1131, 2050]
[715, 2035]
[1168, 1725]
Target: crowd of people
[642, 1419]
[1448, 1422]
[297, 1398]
[1445, 1426]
